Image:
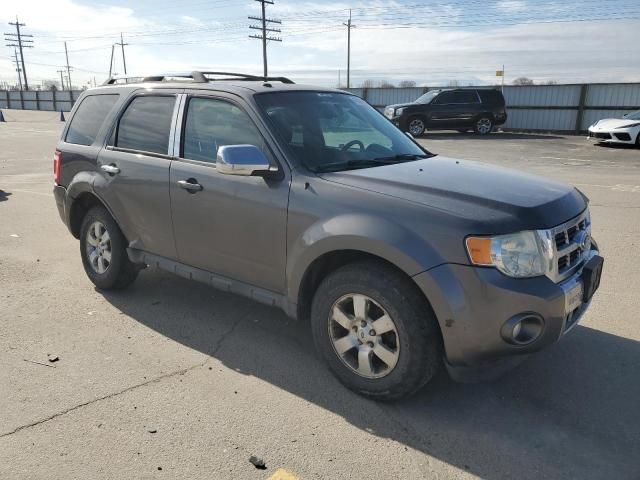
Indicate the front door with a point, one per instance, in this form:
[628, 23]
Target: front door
[454, 109]
[230, 225]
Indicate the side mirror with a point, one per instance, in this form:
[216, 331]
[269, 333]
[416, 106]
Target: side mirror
[246, 160]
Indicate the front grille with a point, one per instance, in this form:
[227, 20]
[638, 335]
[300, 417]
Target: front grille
[572, 245]
[602, 135]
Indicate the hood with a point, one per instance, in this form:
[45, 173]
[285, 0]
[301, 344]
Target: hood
[607, 124]
[491, 199]
[400, 105]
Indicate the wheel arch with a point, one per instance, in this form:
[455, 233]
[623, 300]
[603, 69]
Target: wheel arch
[80, 198]
[361, 238]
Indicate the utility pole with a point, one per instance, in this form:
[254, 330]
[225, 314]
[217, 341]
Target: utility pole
[18, 69]
[113, 46]
[68, 67]
[349, 27]
[265, 36]
[24, 41]
[61, 79]
[122, 44]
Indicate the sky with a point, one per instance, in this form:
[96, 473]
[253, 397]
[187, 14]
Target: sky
[430, 42]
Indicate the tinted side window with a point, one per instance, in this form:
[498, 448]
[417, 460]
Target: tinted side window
[213, 123]
[444, 98]
[468, 96]
[145, 124]
[491, 96]
[89, 117]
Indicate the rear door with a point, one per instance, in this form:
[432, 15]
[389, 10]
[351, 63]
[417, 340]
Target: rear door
[135, 169]
[455, 109]
[234, 226]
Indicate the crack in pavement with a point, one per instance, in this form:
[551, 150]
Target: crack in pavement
[182, 371]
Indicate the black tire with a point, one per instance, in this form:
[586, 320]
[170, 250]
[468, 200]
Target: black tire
[416, 126]
[638, 140]
[420, 344]
[120, 272]
[480, 127]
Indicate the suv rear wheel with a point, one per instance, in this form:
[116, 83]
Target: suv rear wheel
[103, 251]
[417, 126]
[375, 330]
[483, 126]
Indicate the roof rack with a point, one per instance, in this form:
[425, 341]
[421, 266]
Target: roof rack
[196, 76]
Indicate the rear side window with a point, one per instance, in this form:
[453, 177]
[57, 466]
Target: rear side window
[213, 123]
[88, 119]
[491, 96]
[145, 125]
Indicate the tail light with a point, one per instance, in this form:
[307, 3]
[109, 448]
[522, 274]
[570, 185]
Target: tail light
[57, 166]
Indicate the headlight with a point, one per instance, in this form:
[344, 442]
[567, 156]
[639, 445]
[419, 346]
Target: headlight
[631, 125]
[399, 111]
[519, 255]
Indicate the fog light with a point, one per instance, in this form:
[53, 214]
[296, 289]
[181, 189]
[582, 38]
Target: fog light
[522, 329]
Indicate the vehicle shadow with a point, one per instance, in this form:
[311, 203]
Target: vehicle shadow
[448, 135]
[568, 412]
[4, 195]
[619, 146]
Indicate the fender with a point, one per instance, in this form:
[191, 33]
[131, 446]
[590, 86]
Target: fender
[82, 182]
[359, 232]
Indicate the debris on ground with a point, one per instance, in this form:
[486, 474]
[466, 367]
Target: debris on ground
[14, 235]
[258, 462]
[152, 430]
[52, 358]
[39, 363]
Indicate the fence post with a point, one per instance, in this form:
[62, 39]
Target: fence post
[6, 92]
[21, 101]
[365, 94]
[37, 100]
[580, 115]
[53, 92]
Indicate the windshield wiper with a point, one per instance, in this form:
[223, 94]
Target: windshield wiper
[369, 162]
[402, 157]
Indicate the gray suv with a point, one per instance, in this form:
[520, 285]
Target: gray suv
[309, 200]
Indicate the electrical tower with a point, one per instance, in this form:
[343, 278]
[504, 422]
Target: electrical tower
[349, 26]
[265, 36]
[122, 44]
[21, 41]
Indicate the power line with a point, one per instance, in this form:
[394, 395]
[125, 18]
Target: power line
[22, 43]
[265, 36]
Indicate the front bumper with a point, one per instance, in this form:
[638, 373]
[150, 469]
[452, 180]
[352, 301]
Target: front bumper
[617, 135]
[473, 304]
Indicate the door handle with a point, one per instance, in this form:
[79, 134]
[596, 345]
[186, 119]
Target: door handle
[191, 185]
[110, 169]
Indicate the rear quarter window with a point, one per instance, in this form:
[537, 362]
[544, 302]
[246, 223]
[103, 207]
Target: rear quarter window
[89, 117]
[493, 97]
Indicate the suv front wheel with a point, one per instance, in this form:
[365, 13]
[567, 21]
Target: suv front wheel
[375, 330]
[416, 126]
[103, 250]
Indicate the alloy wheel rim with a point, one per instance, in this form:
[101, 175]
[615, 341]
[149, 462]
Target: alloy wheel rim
[416, 127]
[484, 125]
[364, 336]
[98, 247]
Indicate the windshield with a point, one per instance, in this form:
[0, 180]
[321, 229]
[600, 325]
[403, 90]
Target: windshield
[335, 131]
[427, 97]
[633, 116]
